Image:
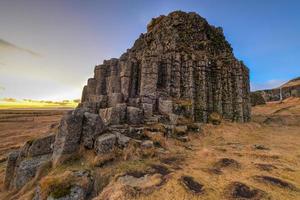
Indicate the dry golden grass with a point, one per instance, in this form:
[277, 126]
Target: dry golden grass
[198, 157]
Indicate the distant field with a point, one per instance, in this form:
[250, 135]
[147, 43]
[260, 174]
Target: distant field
[9, 104]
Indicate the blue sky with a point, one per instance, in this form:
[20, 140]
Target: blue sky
[48, 49]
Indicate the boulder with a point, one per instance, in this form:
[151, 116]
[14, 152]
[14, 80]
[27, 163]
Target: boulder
[92, 127]
[105, 143]
[134, 115]
[147, 144]
[113, 115]
[67, 140]
[41, 146]
[27, 169]
[77, 185]
[10, 168]
[122, 140]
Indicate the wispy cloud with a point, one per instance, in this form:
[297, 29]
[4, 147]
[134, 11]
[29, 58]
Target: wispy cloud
[270, 84]
[7, 45]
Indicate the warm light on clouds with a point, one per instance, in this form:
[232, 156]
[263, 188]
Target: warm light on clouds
[7, 46]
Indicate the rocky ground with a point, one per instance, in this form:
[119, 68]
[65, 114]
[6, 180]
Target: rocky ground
[19, 126]
[256, 160]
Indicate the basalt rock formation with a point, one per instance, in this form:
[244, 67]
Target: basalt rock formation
[181, 72]
[182, 65]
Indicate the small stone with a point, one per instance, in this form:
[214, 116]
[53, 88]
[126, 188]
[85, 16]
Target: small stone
[122, 140]
[105, 143]
[165, 106]
[147, 144]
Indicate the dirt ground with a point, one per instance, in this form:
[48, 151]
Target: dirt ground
[255, 160]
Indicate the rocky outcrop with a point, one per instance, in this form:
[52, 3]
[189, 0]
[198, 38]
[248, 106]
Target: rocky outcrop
[289, 89]
[23, 164]
[180, 60]
[257, 99]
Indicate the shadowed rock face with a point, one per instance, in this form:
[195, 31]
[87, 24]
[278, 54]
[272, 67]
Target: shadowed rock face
[181, 61]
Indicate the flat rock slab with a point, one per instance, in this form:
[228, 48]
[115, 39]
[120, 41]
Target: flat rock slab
[27, 170]
[191, 185]
[237, 190]
[105, 143]
[276, 182]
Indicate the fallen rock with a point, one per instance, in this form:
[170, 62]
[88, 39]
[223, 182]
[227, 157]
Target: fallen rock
[128, 187]
[276, 181]
[92, 127]
[180, 130]
[68, 137]
[143, 182]
[10, 168]
[215, 118]
[75, 185]
[237, 190]
[260, 147]
[265, 167]
[27, 169]
[226, 162]
[191, 185]
[41, 146]
[105, 143]
[147, 144]
[122, 140]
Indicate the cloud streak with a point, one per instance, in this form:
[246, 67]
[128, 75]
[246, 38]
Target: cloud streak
[270, 84]
[7, 45]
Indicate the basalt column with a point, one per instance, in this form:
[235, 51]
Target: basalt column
[182, 65]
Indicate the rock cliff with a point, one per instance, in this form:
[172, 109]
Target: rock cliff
[181, 64]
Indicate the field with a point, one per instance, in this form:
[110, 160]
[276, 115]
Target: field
[18, 126]
[255, 160]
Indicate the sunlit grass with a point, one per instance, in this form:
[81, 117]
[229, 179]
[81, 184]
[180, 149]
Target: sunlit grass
[34, 104]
